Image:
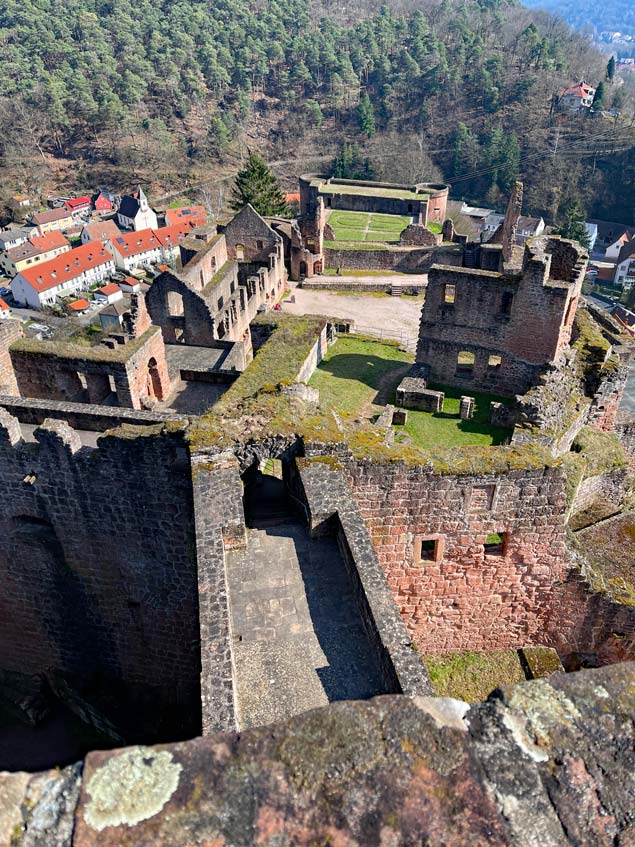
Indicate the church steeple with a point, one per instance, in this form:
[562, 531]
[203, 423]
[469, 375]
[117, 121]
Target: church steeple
[143, 201]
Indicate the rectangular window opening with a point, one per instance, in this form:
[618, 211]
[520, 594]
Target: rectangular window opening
[494, 362]
[495, 544]
[449, 293]
[428, 548]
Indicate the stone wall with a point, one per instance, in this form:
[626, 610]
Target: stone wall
[98, 568]
[626, 433]
[332, 511]
[135, 371]
[10, 331]
[546, 762]
[405, 260]
[510, 324]
[420, 236]
[464, 598]
[336, 283]
[82, 416]
[220, 523]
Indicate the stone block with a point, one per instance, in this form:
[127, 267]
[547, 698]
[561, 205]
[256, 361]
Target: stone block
[466, 408]
[399, 417]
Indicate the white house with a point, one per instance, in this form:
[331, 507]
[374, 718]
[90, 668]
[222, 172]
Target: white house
[5, 311]
[136, 249]
[108, 294]
[625, 267]
[576, 98]
[135, 213]
[68, 273]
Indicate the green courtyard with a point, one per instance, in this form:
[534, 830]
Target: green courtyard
[358, 377]
[367, 226]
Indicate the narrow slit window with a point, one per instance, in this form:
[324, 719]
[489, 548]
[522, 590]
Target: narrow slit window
[449, 293]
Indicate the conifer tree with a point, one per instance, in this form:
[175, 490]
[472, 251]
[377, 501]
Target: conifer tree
[366, 116]
[610, 69]
[573, 225]
[598, 100]
[255, 184]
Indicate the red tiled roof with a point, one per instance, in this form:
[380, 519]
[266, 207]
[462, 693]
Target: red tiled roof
[50, 216]
[292, 198]
[135, 243]
[78, 203]
[107, 290]
[627, 251]
[195, 215]
[169, 236]
[79, 305]
[3, 306]
[38, 244]
[66, 266]
[581, 90]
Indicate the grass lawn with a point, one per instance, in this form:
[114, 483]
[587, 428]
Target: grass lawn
[357, 374]
[363, 226]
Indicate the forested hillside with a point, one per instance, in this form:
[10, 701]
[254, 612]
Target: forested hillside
[175, 91]
[613, 15]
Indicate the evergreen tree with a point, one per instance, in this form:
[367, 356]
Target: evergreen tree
[573, 225]
[366, 116]
[350, 164]
[256, 184]
[610, 69]
[598, 100]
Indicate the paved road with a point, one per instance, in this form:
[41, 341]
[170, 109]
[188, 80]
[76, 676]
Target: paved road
[394, 314]
[298, 639]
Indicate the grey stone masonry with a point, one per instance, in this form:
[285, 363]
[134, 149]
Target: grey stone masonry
[219, 522]
[333, 510]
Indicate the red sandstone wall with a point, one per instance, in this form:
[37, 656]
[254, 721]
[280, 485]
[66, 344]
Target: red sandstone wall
[10, 331]
[468, 600]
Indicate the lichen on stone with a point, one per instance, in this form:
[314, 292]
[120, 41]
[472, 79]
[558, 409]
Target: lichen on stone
[131, 787]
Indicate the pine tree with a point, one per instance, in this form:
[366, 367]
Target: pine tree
[255, 184]
[610, 69]
[573, 225]
[366, 116]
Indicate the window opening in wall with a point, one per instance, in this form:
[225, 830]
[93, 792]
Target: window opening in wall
[495, 544]
[232, 286]
[428, 548]
[328, 202]
[213, 263]
[465, 363]
[494, 362]
[220, 303]
[260, 244]
[175, 304]
[506, 303]
[449, 293]
[240, 252]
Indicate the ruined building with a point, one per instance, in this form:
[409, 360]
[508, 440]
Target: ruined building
[169, 576]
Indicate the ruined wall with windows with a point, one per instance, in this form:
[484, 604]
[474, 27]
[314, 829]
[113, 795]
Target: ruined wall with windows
[478, 561]
[132, 372]
[494, 328]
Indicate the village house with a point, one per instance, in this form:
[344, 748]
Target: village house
[111, 318]
[52, 219]
[103, 202]
[576, 98]
[625, 267]
[14, 235]
[5, 311]
[135, 212]
[99, 231]
[78, 204]
[81, 267]
[193, 215]
[34, 251]
[147, 247]
[109, 294]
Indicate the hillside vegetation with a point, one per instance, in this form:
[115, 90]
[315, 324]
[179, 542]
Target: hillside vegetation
[175, 91]
[611, 15]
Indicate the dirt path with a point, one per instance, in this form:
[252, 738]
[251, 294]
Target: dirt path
[385, 388]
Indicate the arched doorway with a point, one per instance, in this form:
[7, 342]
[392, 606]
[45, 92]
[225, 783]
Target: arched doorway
[155, 389]
[303, 269]
[317, 267]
